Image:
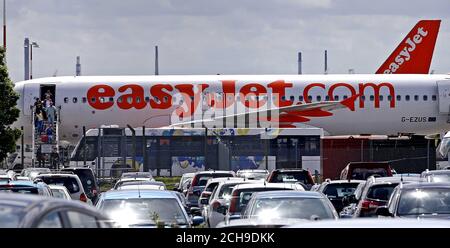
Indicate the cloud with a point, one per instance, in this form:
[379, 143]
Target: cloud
[209, 37]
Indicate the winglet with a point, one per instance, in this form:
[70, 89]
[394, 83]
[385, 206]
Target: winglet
[414, 54]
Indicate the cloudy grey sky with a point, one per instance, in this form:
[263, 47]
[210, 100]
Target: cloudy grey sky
[116, 37]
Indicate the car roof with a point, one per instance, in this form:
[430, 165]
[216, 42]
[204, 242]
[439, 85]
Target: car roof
[134, 179]
[289, 193]
[259, 184]
[424, 185]
[431, 172]
[344, 181]
[224, 179]
[22, 183]
[251, 170]
[290, 170]
[76, 168]
[57, 175]
[214, 172]
[54, 186]
[146, 193]
[141, 187]
[380, 180]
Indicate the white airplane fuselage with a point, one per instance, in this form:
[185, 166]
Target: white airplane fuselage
[384, 104]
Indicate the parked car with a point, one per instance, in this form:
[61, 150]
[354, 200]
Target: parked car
[26, 187]
[306, 205]
[350, 202]
[71, 181]
[300, 176]
[252, 174]
[419, 200]
[376, 193]
[219, 201]
[184, 183]
[20, 178]
[336, 190]
[363, 170]
[145, 208]
[60, 191]
[436, 176]
[30, 211]
[138, 174]
[242, 193]
[199, 182]
[88, 179]
[211, 185]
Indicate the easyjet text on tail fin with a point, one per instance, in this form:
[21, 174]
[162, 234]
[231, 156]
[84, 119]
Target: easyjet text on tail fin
[413, 55]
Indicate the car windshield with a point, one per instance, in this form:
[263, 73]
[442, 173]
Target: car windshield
[69, 182]
[211, 187]
[425, 201]
[291, 177]
[440, 178]
[339, 190]
[297, 208]
[381, 192]
[364, 173]
[10, 215]
[20, 189]
[203, 178]
[144, 212]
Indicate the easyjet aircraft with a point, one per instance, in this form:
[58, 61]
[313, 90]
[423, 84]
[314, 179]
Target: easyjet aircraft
[340, 104]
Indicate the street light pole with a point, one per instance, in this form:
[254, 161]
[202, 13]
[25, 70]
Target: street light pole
[33, 44]
[4, 24]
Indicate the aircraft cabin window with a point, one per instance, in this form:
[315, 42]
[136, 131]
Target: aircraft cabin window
[433, 97]
[381, 98]
[74, 100]
[327, 98]
[416, 98]
[407, 97]
[389, 98]
[102, 99]
[345, 97]
[300, 98]
[292, 98]
[363, 98]
[283, 98]
[165, 99]
[372, 97]
[399, 97]
[425, 97]
[84, 99]
[111, 99]
[336, 98]
[93, 99]
[310, 98]
[319, 98]
[66, 99]
[138, 99]
[119, 99]
[156, 99]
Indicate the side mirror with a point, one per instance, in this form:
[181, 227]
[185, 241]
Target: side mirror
[222, 209]
[195, 211]
[197, 220]
[204, 201]
[383, 211]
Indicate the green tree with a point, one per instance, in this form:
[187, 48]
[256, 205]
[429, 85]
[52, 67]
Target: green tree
[8, 111]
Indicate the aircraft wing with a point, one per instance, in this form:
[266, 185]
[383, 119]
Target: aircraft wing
[283, 116]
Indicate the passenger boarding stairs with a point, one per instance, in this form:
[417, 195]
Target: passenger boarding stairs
[44, 150]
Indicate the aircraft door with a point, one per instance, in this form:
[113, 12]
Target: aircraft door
[30, 93]
[444, 96]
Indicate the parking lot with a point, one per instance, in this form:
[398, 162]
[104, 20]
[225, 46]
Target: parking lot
[366, 195]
